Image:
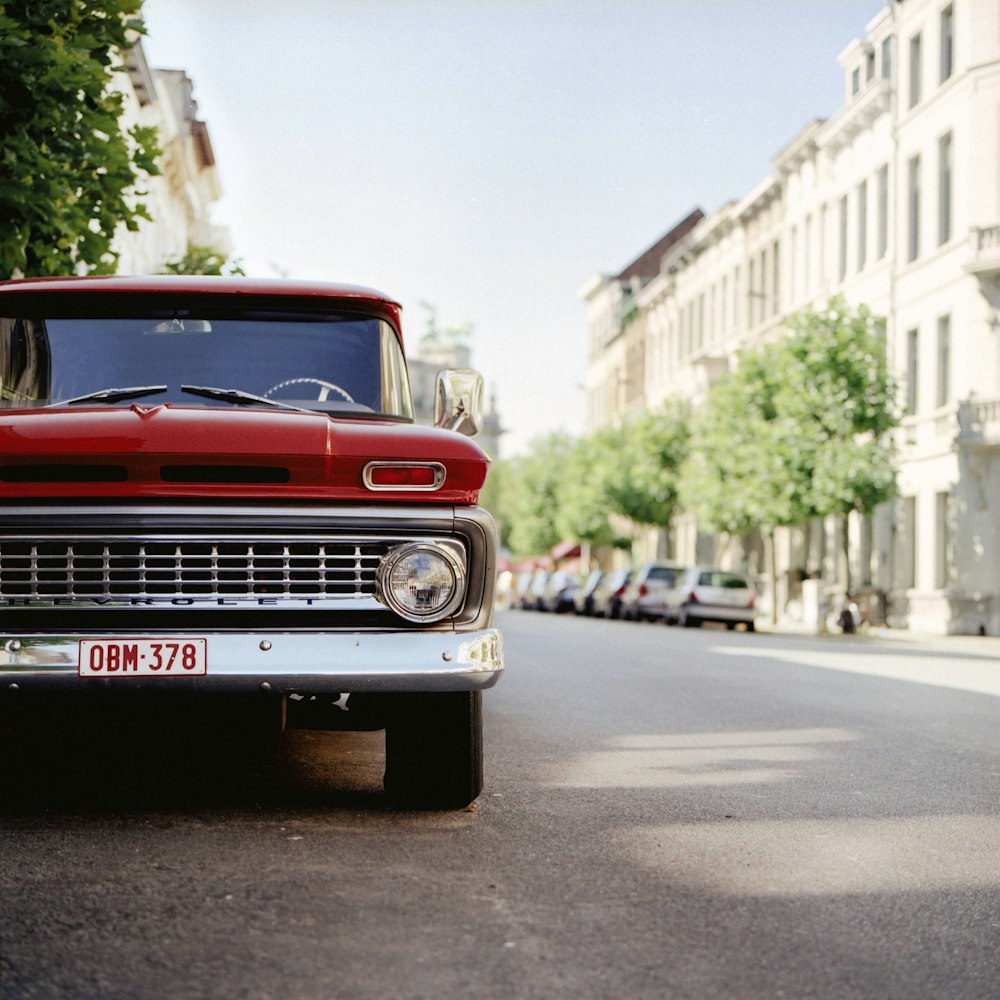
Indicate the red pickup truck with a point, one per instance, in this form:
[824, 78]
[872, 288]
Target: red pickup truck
[213, 490]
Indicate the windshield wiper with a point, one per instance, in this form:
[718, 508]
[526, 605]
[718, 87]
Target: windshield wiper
[113, 395]
[239, 398]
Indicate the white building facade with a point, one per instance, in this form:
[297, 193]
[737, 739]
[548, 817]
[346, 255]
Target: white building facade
[181, 196]
[894, 202]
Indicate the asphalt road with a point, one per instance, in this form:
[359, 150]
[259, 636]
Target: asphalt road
[668, 814]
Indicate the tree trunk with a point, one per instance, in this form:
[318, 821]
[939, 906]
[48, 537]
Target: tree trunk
[772, 559]
[847, 552]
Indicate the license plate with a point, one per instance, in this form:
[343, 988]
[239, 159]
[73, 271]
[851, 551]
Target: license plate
[143, 657]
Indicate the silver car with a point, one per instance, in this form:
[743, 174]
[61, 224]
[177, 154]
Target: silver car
[707, 594]
[645, 596]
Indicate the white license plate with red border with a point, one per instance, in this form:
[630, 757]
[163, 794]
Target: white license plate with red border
[143, 657]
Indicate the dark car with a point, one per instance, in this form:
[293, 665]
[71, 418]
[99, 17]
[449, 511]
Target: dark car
[559, 593]
[607, 595]
[532, 600]
[585, 595]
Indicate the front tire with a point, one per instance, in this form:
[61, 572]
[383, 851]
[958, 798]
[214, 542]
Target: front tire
[434, 750]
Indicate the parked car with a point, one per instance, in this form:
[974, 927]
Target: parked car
[706, 594]
[645, 596]
[533, 595]
[585, 595]
[607, 595]
[522, 588]
[559, 593]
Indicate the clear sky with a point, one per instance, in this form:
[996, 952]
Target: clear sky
[489, 156]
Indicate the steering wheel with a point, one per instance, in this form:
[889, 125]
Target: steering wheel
[325, 388]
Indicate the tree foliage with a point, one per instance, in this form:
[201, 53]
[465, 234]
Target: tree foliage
[68, 171]
[840, 388]
[204, 260]
[798, 430]
[647, 452]
[584, 492]
[574, 489]
[531, 500]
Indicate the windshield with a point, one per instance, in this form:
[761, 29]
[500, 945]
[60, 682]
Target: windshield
[343, 364]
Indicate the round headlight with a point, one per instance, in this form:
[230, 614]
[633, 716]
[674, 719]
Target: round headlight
[422, 582]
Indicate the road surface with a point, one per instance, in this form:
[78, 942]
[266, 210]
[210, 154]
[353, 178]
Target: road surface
[668, 814]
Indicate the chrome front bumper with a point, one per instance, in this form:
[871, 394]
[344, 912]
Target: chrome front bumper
[282, 662]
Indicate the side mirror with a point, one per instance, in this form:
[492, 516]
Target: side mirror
[458, 401]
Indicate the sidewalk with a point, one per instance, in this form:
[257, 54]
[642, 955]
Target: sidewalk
[987, 647]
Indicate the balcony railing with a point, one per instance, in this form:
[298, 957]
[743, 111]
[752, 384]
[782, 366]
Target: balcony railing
[973, 423]
[984, 251]
[979, 422]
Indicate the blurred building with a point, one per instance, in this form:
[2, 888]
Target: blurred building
[180, 198]
[433, 354]
[893, 202]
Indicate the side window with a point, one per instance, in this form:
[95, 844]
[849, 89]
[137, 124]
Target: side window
[24, 365]
[396, 397]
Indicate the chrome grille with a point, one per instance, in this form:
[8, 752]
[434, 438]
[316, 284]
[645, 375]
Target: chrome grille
[49, 569]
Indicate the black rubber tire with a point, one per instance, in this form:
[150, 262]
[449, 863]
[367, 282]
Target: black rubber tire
[434, 750]
[686, 621]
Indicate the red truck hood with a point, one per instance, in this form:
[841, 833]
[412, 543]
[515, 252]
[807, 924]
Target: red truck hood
[186, 451]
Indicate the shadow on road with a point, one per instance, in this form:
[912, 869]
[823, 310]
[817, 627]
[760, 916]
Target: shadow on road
[115, 764]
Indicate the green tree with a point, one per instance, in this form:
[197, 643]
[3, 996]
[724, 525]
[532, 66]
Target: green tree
[532, 485]
[205, 260]
[745, 466]
[849, 408]
[69, 174]
[583, 493]
[798, 430]
[647, 453]
[840, 354]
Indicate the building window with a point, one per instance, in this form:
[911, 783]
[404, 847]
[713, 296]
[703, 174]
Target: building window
[908, 549]
[942, 532]
[794, 269]
[856, 80]
[823, 267]
[912, 370]
[944, 188]
[776, 278]
[882, 183]
[765, 291]
[807, 256]
[915, 60]
[947, 42]
[862, 224]
[913, 209]
[943, 360]
[869, 65]
[738, 307]
[887, 58]
[842, 248]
